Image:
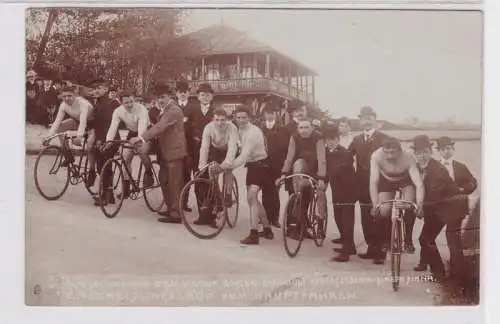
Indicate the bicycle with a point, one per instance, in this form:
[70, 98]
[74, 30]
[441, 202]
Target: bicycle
[117, 165]
[312, 223]
[398, 209]
[61, 163]
[225, 208]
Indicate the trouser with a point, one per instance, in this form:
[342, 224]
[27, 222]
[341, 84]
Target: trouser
[270, 197]
[171, 181]
[435, 218]
[343, 214]
[367, 222]
[101, 158]
[187, 176]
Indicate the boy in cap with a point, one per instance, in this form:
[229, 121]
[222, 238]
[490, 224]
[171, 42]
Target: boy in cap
[362, 147]
[169, 130]
[443, 206]
[341, 177]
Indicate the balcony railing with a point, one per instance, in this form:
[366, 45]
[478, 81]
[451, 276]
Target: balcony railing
[256, 85]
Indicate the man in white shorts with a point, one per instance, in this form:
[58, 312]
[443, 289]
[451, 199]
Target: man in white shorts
[135, 117]
[254, 156]
[80, 118]
[218, 144]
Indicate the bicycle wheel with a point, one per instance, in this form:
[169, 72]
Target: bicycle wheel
[318, 225]
[234, 208]
[293, 225]
[51, 179]
[111, 198]
[208, 215]
[153, 196]
[396, 251]
[86, 171]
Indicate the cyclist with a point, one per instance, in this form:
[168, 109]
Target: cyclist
[136, 120]
[81, 119]
[392, 169]
[218, 144]
[306, 154]
[254, 156]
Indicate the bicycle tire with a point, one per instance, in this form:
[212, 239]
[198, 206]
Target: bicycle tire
[293, 206]
[319, 225]
[115, 166]
[231, 221]
[184, 196]
[58, 160]
[86, 172]
[157, 185]
[396, 251]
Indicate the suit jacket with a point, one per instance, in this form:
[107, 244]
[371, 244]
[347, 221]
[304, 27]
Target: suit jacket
[277, 145]
[363, 150]
[438, 184]
[341, 175]
[464, 178]
[195, 121]
[170, 133]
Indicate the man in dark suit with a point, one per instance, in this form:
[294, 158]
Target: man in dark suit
[169, 130]
[277, 145]
[103, 109]
[459, 172]
[362, 147]
[197, 116]
[443, 206]
[342, 180]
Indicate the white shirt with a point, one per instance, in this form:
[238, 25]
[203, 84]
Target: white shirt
[81, 109]
[345, 140]
[204, 109]
[135, 120]
[253, 145]
[448, 164]
[182, 104]
[368, 134]
[213, 136]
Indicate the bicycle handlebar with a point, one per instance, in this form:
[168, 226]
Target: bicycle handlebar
[202, 170]
[405, 203]
[312, 181]
[123, 143]
[67, 135]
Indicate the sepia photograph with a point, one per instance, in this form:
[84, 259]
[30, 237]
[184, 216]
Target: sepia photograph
[180, 157]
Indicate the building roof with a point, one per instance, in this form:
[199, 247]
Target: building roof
[222, 39]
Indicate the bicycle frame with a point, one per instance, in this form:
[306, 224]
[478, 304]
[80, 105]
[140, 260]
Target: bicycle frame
[75, 175]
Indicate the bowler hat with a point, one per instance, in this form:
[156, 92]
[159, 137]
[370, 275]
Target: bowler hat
[205, 87]
[443, 142]
[161, 89]
[98, 81]
[421, 142]
[181, 86]
[367, 111]
[295, 104]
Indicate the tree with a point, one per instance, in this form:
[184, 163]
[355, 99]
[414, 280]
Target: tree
[130, 46]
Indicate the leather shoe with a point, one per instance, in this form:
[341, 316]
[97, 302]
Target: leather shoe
[170, 220]
[164, 213]
[337, 241]
[341, 257]
[420, 267]
[366, 255]
[352, 251]
[276, 224]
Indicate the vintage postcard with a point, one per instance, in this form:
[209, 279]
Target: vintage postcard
[252, 157]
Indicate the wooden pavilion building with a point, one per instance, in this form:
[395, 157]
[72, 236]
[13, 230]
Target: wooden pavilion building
[241, 69]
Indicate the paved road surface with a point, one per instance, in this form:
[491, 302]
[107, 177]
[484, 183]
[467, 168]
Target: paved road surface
[76, 256]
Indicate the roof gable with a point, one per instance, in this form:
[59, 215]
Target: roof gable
[222, 39]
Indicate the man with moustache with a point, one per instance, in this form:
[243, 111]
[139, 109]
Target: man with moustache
[171, 141]
[362, 147]
[277, 145]
[182, 94]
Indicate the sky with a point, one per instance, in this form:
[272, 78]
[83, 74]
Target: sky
[424, 64]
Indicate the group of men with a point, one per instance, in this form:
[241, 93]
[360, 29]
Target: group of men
[368, 168]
